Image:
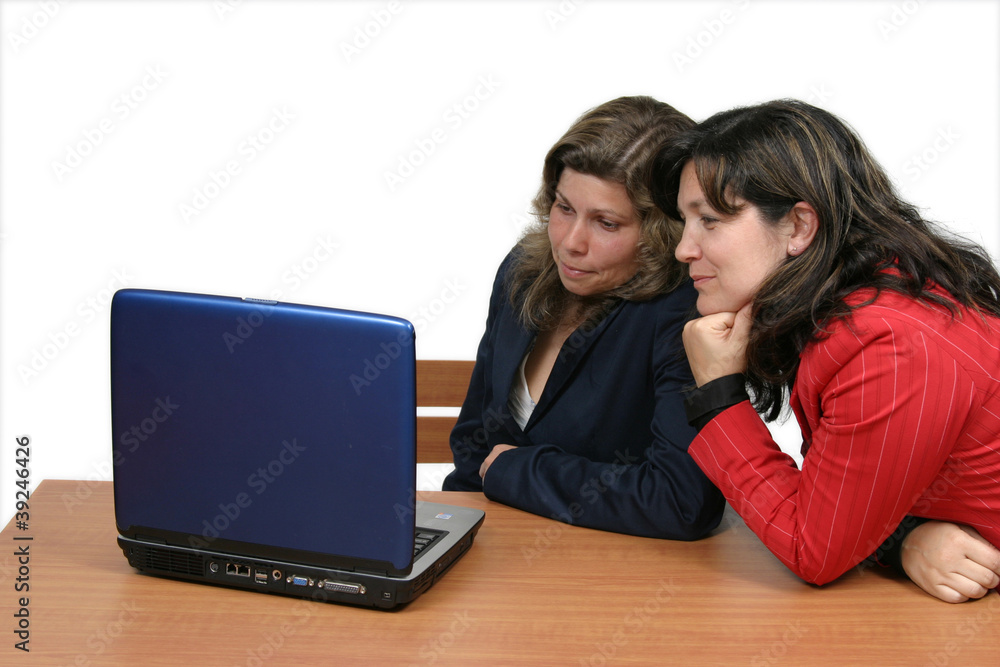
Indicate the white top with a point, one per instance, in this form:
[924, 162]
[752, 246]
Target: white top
[519, 401]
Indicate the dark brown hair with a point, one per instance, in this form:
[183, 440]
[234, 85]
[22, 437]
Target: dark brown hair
[777, 154]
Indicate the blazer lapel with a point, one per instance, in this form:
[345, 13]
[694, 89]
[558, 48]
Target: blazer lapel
[512, 343]
[572, 354]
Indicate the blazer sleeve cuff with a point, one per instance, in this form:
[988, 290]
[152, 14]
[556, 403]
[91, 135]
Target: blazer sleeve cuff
[890, 553]
[707, 401]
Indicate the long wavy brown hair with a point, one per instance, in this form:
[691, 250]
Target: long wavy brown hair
[615, 141]
[777, 154]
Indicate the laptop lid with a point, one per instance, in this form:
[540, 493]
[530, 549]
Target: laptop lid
[264, 429]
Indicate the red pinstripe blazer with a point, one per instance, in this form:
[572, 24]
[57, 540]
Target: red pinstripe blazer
[899, 408]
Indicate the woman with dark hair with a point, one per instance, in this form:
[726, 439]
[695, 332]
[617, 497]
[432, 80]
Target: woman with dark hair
[574, 410]
[817, 282]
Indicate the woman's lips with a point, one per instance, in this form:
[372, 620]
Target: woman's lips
[573, 272]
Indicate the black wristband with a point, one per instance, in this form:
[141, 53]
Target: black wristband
[707, 401]
[890, 553]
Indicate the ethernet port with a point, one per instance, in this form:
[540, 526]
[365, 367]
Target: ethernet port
[237, 570]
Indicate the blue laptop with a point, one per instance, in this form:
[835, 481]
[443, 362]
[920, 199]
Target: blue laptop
[271, 447]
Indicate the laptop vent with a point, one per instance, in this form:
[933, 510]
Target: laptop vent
[423, 582]
[164, 560]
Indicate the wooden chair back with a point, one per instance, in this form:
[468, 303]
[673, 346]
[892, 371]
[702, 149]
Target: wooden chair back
[440, 384]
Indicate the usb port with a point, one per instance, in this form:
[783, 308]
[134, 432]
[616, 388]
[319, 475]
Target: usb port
[260, 576]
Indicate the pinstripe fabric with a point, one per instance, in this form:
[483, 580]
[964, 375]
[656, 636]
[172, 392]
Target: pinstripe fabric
[899, 409]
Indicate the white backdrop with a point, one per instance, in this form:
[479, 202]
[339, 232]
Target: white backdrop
[382, 155]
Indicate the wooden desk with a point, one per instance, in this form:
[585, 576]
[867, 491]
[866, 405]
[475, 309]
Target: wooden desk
[531, 591]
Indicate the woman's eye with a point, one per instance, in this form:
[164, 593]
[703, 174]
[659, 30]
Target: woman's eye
[609, 225]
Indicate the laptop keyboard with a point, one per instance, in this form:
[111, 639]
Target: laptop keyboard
[422, 540]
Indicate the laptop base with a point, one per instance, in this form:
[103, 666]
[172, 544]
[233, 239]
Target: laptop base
[304, 581]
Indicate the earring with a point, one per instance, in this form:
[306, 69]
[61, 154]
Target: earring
[795, 250]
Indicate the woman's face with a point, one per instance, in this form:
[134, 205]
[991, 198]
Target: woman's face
[594, 233]
[728, 256]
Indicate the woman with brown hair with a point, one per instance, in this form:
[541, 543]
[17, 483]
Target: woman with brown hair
[574, 410]
[817, 282]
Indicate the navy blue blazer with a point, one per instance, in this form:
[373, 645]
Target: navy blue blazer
[606, 445]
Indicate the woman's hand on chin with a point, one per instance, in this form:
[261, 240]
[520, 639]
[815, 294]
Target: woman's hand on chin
[716, 344]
